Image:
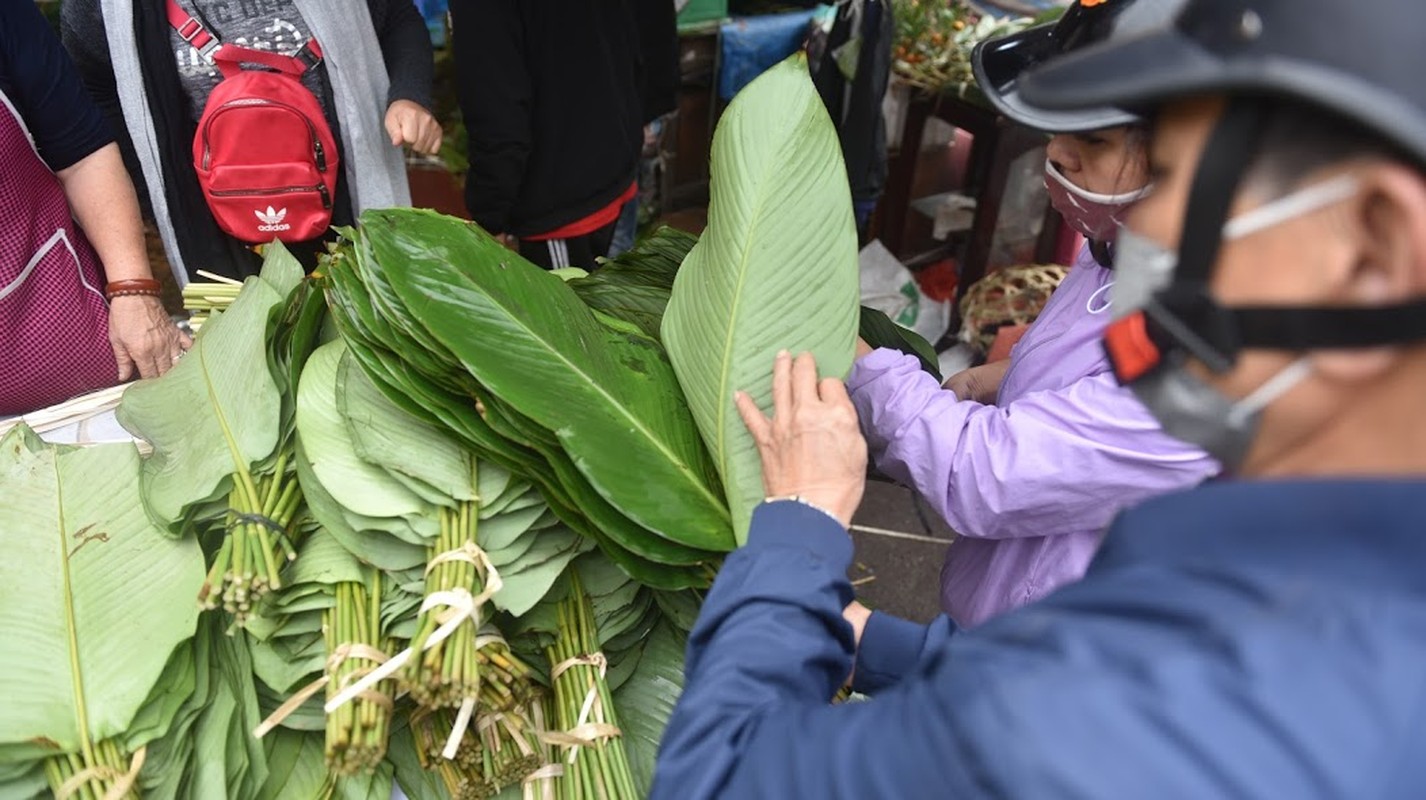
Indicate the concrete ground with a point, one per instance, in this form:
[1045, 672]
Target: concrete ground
[900, 544]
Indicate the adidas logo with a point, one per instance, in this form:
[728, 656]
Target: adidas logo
[272, 221]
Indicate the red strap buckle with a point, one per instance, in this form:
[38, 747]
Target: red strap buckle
[1132, 352]
[189, 29]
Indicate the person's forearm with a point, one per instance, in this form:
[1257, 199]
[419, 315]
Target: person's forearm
[103, 202]
[406, 49]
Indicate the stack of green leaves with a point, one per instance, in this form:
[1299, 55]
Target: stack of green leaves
[221, 436]
[209, 750]
[117, 598]
[645, 700]
[297, 770]
[290, 634]
[458, 330]
[466, 403]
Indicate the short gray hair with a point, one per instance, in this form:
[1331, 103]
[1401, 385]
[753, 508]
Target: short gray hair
[1299, 139]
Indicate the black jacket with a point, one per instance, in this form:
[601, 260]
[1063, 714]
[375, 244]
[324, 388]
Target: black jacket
[551, 95]
[405, 47]
[658, 39]
[855, 105]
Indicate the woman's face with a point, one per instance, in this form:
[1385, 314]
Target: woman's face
[1110, 161]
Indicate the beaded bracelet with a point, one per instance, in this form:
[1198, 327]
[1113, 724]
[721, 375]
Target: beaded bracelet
[131, 293]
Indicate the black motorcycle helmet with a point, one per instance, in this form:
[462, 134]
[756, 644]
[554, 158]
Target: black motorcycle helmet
[998, 65]
[1359, 62]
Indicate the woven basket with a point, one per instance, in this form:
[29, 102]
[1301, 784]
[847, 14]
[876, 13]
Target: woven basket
[1009, 296]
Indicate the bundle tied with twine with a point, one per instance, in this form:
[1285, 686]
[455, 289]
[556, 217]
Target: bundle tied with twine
[357, 732]
[441, 667]
[359, 728]
[595, 764]
[97, 773]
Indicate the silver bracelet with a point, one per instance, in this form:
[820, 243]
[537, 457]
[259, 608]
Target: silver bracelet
[797, 498]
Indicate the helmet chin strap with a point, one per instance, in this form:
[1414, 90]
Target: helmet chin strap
[1185, 317]
[1227, 155]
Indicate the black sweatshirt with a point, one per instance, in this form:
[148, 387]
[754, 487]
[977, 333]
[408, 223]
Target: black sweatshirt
[551, 95]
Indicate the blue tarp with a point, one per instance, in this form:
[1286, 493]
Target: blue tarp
[752, 44]
[435, 13]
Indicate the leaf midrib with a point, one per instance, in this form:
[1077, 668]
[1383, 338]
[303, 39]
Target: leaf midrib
[81, 707]
[726, 368]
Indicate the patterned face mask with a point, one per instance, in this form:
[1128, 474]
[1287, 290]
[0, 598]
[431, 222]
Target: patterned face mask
[1097, 216]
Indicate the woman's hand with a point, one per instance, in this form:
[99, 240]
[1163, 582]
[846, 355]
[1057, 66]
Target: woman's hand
[981, 384]
[409, 123]
[144, 337]
[812, 447]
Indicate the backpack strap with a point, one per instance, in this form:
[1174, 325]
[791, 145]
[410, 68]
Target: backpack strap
[230, 58]
[191, 30]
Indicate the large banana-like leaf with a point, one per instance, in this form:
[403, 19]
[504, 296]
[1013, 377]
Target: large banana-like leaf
[298, 771]
[93, 597]
[776, 268]
[611, 398]
[216, 412]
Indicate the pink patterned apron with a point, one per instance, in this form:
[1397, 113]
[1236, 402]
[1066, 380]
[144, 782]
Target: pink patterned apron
[54, 323]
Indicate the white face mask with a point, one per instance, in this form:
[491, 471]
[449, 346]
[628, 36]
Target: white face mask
[1143, 267]
[1188, 407]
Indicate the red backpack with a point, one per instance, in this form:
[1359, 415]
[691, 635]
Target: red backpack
[265, 155]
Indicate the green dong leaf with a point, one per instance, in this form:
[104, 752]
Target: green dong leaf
[611, 398]
[93, 597]
[776, 269]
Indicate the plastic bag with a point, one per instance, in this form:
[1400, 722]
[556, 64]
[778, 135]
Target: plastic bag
[889, 287]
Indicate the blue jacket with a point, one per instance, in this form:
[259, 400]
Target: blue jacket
[1255, 640]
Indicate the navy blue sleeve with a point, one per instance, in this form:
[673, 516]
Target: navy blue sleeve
[769, 651]
[45, 88]
[891, 648]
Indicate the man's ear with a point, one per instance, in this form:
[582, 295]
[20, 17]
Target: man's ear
[1385, 232]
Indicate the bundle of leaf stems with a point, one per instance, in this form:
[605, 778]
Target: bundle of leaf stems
[448, 673]
[461, 775]
[104, 760]
[600, 768]
[203, 298]
[258, 540]
[509, 748]
[357, 732]
[504, 679]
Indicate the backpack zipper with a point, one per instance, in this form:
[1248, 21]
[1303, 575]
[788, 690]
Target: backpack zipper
[320, 188]
[319, 155]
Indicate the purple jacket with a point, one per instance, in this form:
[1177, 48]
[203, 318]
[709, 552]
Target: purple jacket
[1030, 483]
